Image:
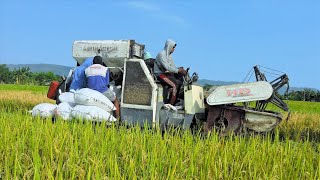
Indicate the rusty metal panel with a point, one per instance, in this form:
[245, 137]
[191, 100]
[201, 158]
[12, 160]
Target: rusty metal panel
[245, 92]
[224, 119]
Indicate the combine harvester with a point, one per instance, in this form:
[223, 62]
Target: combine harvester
[142, 96]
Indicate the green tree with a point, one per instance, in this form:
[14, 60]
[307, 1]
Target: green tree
[39, 78]
[206, 87]
[305, 95]
[22, 75]
[44, 78]
[318, 96]
[5, 74]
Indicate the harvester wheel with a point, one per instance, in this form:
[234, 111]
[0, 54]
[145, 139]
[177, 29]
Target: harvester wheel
[220, 124]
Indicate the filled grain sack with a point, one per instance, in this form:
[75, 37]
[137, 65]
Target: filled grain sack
[89, 97]
[92, 113]
[67, 97]
[44, 110]
[116, 90]
[64, 111]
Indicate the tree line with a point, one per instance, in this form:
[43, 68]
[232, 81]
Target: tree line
[302, 95]
[25, 76]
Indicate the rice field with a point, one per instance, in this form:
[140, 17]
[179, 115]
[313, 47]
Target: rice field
[31, 148]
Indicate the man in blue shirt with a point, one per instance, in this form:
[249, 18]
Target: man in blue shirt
[78, 77]
[98, 79]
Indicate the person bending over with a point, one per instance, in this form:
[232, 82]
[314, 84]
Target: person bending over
[78, 76]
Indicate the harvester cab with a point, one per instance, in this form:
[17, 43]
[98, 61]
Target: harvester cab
[142, 96]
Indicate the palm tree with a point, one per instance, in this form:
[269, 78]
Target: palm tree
[22, 75]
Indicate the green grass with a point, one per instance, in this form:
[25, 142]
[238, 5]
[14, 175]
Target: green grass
[16, 87]
[294, 106]
[32, 148]
[304, 107]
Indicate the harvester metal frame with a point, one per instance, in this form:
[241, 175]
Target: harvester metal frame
[124, 57]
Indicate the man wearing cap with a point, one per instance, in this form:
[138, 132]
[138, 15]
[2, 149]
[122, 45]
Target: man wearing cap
[98, 79]
[165, 70]
[149, 61]
[147, 56]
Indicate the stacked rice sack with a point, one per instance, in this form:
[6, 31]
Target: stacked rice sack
[86, 104]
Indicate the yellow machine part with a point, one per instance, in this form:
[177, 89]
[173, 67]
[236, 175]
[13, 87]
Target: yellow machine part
[194, 99]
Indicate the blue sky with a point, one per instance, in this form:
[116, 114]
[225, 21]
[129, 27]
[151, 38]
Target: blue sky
[221, 40]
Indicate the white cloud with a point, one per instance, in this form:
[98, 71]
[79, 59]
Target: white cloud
[157, 11]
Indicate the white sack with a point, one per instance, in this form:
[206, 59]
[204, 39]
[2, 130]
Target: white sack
[92, 113]
[116, 90]
[89, 97]
[64, 111]
[67, 97]
[44, 110]
[69, 77]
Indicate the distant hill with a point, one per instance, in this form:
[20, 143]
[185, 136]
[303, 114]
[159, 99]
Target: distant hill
[216, 83]
[64, 70]
[56, 69]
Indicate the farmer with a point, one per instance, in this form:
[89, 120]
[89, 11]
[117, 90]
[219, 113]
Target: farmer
[98, 79]
[78, 77]
[149, 61]
[166, 71]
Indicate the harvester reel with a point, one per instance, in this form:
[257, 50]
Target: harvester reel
[276, 85]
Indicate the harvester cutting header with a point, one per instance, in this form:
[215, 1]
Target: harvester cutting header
[153, 92]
